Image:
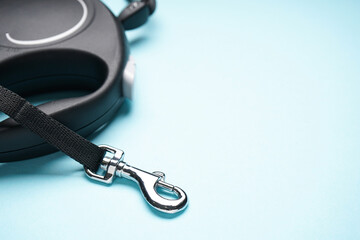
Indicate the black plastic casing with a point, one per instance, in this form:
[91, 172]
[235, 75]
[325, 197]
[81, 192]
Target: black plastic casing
[91, 58]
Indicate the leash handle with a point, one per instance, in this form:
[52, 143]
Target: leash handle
[137, 13]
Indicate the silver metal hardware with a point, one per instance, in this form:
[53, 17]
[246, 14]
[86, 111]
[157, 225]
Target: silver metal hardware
[149, 183]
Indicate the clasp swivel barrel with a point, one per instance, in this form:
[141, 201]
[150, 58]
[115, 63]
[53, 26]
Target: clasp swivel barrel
[148, 182]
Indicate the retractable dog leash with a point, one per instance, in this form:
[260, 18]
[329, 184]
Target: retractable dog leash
[71, 44]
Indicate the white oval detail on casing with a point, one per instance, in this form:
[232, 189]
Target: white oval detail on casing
[56, 37]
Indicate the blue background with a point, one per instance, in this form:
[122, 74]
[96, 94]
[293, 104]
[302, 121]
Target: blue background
[252, 107]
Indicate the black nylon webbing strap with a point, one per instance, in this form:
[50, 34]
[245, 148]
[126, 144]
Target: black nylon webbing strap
[52, 131]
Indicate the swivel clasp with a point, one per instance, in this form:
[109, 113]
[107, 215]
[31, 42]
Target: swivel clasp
[149, 183]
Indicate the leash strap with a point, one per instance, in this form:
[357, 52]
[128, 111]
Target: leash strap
[52, 131]
[91, 155]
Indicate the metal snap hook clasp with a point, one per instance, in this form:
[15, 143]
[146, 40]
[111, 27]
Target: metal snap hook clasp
[149, 183]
